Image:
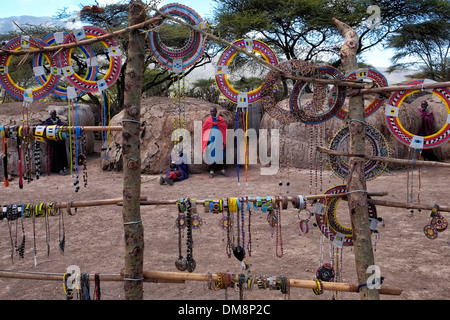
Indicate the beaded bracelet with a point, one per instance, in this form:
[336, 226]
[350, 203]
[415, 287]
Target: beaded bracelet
[232, 204]
[319, 289]
[39, 133]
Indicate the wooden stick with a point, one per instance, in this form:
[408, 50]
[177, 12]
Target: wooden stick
[80, 43]
[181, 277]
[406, 88]
[406, 205]
[155, 202]
[59, 277]
[306, 284]
[85, 204]
[386, 159]
[95, 128]
[357, 201]
[70, 128]
[92, 203]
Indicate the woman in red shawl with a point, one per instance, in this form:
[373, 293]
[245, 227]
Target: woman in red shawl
[426, 128]
[214, 138]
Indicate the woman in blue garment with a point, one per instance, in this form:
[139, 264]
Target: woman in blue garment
[213, 129]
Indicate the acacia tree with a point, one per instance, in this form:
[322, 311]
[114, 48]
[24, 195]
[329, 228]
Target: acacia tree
[425, 46]
[303, 29]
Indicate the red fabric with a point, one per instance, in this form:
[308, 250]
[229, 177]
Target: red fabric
[427, 122]
[174, 175]
[206, 129]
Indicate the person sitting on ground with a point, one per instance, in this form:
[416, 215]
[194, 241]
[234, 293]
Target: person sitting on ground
[178, 172]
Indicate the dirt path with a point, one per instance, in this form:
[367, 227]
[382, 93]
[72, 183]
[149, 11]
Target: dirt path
[94, 236]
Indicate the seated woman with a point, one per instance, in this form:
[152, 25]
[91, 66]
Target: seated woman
[177, 172]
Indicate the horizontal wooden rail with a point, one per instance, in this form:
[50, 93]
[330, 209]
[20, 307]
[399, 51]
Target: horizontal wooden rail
[89, 41]
[395, 204]
[180, 277]
[406, 88]
[157, 202]
[385, 159]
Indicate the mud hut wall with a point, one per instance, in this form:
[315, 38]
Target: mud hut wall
[157, 125]
[298, 134]
[85, 117]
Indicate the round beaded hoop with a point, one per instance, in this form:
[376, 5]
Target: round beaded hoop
[378, 78]
[89, 55]
[179, 59]
[325, 103]
[15, 90]
[378, 146]
[328, 223]
[404, 136]
[269, 88]
[224, 61]
[115, 61]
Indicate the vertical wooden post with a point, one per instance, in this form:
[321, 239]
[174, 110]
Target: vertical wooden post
[356, 183]
[133, 228]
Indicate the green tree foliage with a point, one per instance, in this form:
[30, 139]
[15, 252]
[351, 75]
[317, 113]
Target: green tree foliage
[303, 29]
[425, 46]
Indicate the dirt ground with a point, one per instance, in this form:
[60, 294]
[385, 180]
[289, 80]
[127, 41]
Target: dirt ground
[94, 236]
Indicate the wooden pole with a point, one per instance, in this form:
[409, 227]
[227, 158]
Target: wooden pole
[406, 88]
[386, 159]
[47, 276]
[133, 227]
[156, 202]
[86, 203]
[357, 201]
[180, 277]
[394, 204]
[70, 128]
[97, 128]
[306, 284]
[75, 44]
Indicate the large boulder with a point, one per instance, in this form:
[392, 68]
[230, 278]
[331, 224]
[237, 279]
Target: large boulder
[157, 125]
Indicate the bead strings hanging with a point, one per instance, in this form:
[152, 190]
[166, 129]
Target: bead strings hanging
[73, 147]
[5, 160]
[190, 222]
[106, 123]
[179, 112]
[84, 158]
[246, 146]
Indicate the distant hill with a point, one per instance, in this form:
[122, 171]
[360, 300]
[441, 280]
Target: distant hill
[7, 24]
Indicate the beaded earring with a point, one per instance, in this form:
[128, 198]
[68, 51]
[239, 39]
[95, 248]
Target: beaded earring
[62, 231]
[437, 224]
